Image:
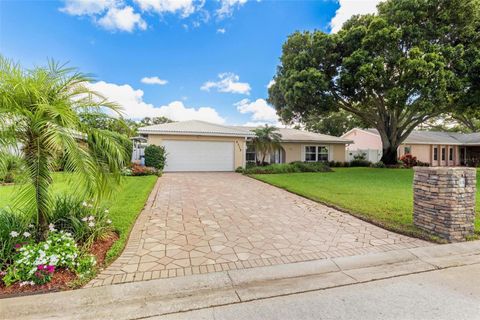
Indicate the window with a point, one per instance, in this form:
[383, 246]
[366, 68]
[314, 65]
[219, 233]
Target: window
[443, 154]
[435, 153]
[322, 154]
[251, 155]
[407, 150]
[316, 153]
[450, 154]
[311, 153]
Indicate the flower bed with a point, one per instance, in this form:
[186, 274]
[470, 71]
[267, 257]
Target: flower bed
[80, 234]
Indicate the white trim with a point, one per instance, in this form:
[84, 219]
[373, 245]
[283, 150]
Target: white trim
[359, 129]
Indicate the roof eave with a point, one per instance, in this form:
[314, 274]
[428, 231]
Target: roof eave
[196, 133]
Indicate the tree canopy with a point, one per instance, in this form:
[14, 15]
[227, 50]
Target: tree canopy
[412, 61]
[40, 122]
[266, 140]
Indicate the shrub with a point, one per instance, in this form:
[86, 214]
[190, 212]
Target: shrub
[359, 163]
[289, 168]
[85, 221]
[378, 164]
[139, 170]
[408, 160]
[14, 231]
[155, 156]
[36, 262]
[13, 168]
[239, 170]
[360, 156]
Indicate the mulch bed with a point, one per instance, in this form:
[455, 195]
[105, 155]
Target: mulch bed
[61, 279]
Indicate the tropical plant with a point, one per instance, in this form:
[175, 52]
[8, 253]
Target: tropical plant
[155, 156]
[412, 61]
[40, 119]
[266, 140]
[12, 166]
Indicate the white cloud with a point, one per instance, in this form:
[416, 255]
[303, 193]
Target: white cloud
[154, 80]
[348, 8]
[261, 111]
[227, 7]
[229, 82]
[134, 107]
[221, 30]
[270, 83]
[88, 7]
[124, 19]
[185, 7]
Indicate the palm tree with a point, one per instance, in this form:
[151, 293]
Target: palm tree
[40, 122]
[266, 140]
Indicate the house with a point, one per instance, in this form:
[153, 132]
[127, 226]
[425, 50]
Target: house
[203, 146]
[433, 147]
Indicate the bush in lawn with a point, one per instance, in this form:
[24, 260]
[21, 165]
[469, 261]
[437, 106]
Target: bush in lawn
[360, 163]
[378, 164]
[35, 263]
[13, 168]
[14, 231]
[155, 156]
[289, 168]
[85, 221]
[408, 160]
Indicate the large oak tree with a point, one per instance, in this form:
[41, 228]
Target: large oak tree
[412, 61]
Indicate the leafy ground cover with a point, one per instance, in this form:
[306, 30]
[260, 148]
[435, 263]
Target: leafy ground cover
[381, 196]
[124, 205]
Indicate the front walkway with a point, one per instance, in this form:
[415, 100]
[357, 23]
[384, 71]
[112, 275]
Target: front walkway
[208, 222]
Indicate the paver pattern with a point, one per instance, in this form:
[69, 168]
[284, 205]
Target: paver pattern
[207, 222]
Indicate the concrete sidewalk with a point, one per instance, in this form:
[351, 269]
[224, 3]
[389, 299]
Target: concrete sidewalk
[166, 296]
[446, 294]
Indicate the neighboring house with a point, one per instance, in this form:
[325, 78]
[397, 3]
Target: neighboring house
[203, 146]
[433, 147]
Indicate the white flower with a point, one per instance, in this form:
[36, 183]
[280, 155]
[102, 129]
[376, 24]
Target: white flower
[14, 234]
[51, 226]
[84, 219]
[26, 234]
[106, 211]
[91, 224]
[91, 218]
[84, 203]
[31, 225]
[109, 221]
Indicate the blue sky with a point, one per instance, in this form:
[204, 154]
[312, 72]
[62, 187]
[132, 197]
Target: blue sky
[208, 60]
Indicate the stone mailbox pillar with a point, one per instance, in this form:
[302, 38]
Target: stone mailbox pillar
[444, 201]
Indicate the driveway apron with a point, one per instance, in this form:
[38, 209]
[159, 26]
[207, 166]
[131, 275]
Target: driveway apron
[207, 222]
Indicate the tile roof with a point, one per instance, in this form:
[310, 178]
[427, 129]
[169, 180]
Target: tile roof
[439, 137]
[196, 127]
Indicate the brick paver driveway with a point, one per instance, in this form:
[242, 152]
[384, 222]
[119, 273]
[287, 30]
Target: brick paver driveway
[207, 222]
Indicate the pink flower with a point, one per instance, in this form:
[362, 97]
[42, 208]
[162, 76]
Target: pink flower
[41, 267]
[50, 269]
[17, 246]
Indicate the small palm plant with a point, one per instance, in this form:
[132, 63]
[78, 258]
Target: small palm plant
[40, 121]
[266, 140]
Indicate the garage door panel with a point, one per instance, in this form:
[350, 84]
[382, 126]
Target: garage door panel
[199, 155]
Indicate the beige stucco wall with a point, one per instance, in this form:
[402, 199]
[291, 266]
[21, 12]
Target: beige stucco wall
[294, 151]
[424, 153]
[338, 152]
[363, 140]
[239, 143]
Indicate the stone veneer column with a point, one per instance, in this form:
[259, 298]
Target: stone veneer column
[444, 201]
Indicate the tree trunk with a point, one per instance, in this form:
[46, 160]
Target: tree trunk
[389, 156]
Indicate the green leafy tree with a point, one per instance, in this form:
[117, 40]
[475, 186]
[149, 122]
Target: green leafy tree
[147, 121]
[155, 156]
[266, 140]
[40, 120]
[101, 120]
[335, 123]
[394, 70]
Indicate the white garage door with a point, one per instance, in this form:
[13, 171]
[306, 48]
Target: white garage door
[199, 155]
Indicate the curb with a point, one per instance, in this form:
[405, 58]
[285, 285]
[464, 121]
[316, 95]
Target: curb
[163, 296]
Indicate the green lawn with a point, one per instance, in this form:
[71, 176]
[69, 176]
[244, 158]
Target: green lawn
[125, 204]
[382, 196]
